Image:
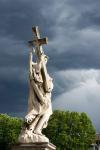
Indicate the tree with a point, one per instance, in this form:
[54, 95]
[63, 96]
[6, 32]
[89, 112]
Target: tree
[70, 130]
[9, 130]
[67, 130]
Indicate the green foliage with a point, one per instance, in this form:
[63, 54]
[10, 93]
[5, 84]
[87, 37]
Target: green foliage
[67, 130]
[9, 130]
[70, 130]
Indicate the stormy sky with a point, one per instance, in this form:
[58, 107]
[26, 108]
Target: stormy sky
[73, 29]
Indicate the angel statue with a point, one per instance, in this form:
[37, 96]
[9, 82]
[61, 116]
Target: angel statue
[40, 88]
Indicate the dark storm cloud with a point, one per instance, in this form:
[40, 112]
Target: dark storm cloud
[73, 59]
[75, 43]
[13, 75]
[89, 19]
[17, 17]
[14, 100]
[73, 28]
[13, 88]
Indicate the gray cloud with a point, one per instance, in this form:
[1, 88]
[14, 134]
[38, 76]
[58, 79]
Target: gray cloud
[81, 93]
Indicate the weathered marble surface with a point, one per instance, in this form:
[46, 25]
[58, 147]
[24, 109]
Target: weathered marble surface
[40, 88]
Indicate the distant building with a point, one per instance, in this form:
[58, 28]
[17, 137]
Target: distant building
[96, 145]
[97, 140]
[93, 147]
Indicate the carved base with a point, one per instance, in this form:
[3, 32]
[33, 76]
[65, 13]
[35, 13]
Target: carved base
[30, 137]
[35, 146]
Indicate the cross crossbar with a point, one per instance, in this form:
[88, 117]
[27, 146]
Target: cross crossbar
[37, 41]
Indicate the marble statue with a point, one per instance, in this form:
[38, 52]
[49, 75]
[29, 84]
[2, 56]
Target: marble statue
[40, 88]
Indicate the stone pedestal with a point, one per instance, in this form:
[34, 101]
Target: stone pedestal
[35, 146]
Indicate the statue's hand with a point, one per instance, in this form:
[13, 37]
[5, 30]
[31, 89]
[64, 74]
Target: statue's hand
[29, 118]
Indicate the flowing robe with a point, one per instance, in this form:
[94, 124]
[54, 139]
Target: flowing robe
[39, 101]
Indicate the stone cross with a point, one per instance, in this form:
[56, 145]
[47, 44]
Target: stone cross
[37, 41]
